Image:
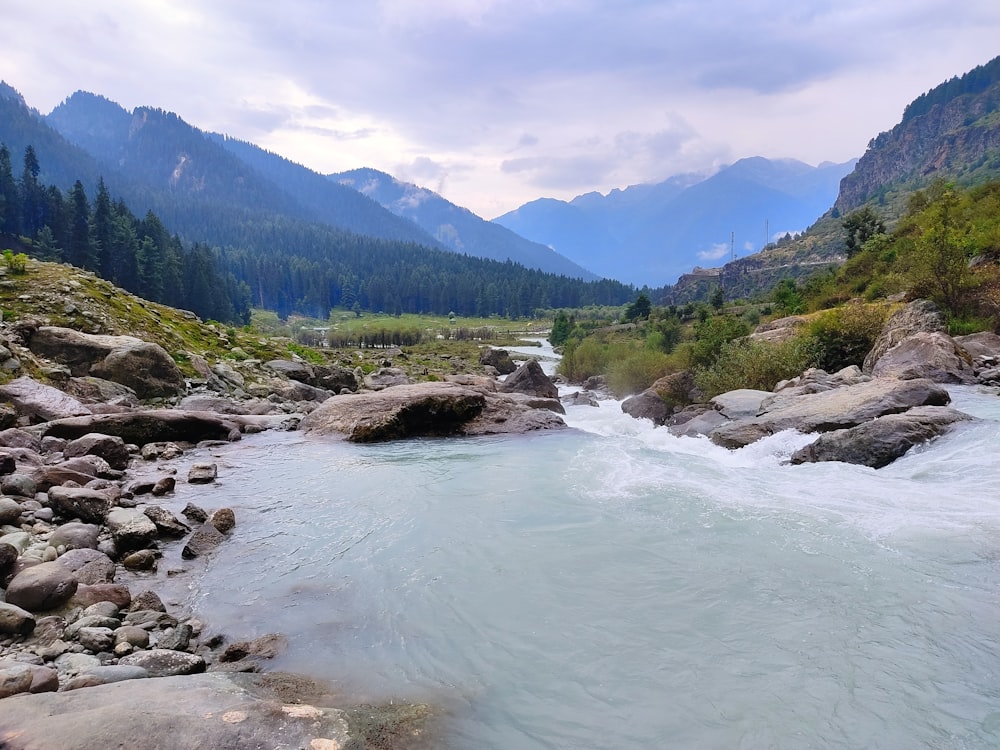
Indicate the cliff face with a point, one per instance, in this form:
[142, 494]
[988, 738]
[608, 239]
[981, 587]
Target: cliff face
[953, 131]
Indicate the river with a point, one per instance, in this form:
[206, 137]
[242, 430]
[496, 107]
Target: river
[611, 586]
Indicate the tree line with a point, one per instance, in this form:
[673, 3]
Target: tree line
[104, 236]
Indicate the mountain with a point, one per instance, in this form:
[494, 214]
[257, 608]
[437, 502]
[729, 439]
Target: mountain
[455, 227]
[952, 132]
[650, 234]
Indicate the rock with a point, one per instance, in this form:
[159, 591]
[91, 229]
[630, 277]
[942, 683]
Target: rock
[497, 358]
[831, 410]
[88, 594]
[676, 389]
[105, 675]
[515, 413]
[96, 640]
[386, 377]
[164, 486]
[223, 519]
[983, 344]
[166, 522]
[144, 367]
[194, 514]
[8, 464]
[202, 473]
[178, 639]
[10, 511]
[334, 378]
[14, 437]
[216, 710]
[130, 528]
[881, 441]
[162, 662]
[292, 390]
[15, 679]
[8, 556]
[579, 398]
[147, 601]
[163, 451]
[143, 559]
[934, 356]
[91, 621]
[75, 536]
[299, 371]
[80, 470]
[80, 502]
[779, 330]
[21, 485]
[265, 647]
[91, 390]
[43, 679]
[39, 401]
[42, 587]
[529, 378]
[133, 635]
[647, 405]
[14, 620]
[109, 447]
[918, 316]
[701, 424]
[89, 566]
[212, 403]
[149, 426]
[741, 403]
[203, 540]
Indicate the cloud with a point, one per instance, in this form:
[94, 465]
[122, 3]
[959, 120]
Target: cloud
[717, 251]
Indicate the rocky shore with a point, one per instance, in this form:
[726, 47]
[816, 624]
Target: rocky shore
[95, 436]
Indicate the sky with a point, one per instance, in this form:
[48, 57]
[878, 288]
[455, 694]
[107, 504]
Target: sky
[494, 103]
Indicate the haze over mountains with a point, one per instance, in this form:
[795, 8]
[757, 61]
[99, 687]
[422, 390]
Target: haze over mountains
[651, 234]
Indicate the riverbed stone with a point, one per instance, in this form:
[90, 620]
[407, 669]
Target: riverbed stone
[130, 528]
[143, 559]
[43, 679]
[166, 522]
[109, 447]
[147, 601]
[529, 378]
[14, 620]
[42, 587]
[133, 635]
[647, 405]
[203, 473]
[76, 535]
[18, 484]
[203, 540]
[39, 401]
[163, 662]
[105, 675]
[10, 510]
[97, 639]
[223, 519]
[88, 594]
[88, 505]
[15, 679]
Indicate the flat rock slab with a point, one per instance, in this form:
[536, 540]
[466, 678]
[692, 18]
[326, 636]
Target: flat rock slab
[40, 400]
[840, 408]
[148, 426]
[218, 710]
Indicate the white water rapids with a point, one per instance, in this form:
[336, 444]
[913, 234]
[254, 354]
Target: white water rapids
[612, 586]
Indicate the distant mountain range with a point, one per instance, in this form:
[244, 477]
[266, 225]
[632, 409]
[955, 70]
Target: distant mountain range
[651, 234]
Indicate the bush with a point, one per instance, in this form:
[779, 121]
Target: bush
[711, 335]
[760, 365]
[637, 371]
[846, 334]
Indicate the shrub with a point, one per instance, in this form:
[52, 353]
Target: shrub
[846, 334]
[746, 363]
[637, 371]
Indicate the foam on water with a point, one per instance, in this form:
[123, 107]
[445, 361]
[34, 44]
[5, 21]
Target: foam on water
[613, 586]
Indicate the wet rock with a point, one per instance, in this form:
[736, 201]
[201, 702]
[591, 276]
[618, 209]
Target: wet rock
[203, 540]
[162, 662]
[109, 447]
[741, 403]
[166, 522]
[130, 528]
[161, 451]
[647, 405]
[701, 422]
[177, 639]
[148, 601]
[42, 587]
[265, 647]
[194, 514]
[223, 519]
[164, 486]
[529, 378]
[88, 594]
[202, 473]
[143, 559]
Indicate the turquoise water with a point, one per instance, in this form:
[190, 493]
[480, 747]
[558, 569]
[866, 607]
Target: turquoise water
[612, 586]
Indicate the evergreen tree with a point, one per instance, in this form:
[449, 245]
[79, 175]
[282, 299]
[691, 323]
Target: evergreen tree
[80, 249]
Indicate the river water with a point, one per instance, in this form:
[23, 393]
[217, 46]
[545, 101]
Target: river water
[611, 586]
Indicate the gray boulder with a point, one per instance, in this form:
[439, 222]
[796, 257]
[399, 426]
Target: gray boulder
[39, 401]
[386, 377]
[931, 355]
[75, 535]
[91, 390]
[498, 359]
[202, 473]
[741, 403]
[881, 441]
[148, 426]
[105, 675]
[529, 378]
[647, 405]
[919, 316]
[10, 510]
[42, 587]
[835, 409]
[89, 566]
[292, 370]
[109, 447]
[166, 522]
[203, 540]
[983, 344]
[130, 528]
[86, 504]
[144, 367]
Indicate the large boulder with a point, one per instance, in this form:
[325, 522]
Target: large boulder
[109, 447]
[881, 441]
[982, 344]
[647, 405]
[919, 316]
[84, 503]
[42, 587]
[529, 378]
[835, 409]
[130, 528]
[430, 409]
[386, 377]
[39, 401]
[931, 355]
[292, 370]
[144, 367]
[499, 359]
[148, 426]
[214, 710]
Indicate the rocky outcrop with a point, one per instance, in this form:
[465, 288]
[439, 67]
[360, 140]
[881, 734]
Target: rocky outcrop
[144, 367]
[425, 409]
[931, 355]
[835, 409]
[881, 441]
[919, 316]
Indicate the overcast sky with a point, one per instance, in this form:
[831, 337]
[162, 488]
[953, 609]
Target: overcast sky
[493, 103]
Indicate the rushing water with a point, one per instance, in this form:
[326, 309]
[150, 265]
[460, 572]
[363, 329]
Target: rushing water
[612, 586]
